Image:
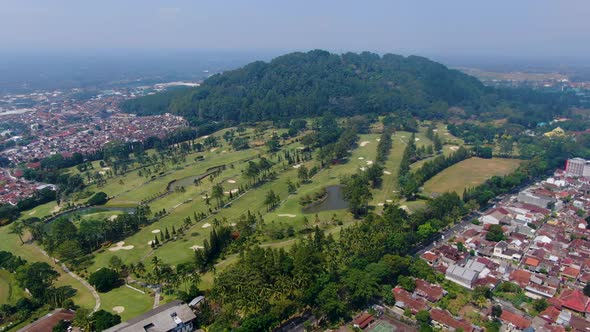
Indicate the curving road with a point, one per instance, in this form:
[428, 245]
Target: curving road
[75, 276]
[86, 284]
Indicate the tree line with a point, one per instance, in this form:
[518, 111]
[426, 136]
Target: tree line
[300, 85]
[331, 277]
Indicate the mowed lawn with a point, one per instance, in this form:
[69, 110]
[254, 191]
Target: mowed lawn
[469, 173]
[9, 290]
[131, 301]
[10, 242]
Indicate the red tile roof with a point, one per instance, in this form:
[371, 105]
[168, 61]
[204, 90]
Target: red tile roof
[571, 272]
[579, 324]
[429, 256]
[445, 318]
[532, 261]
[521, 277]
[47, 323]
[514, 319]
[554, 328]
[416, 304]
[363, 320]
[429, 291]
[550, 314]
[574, 299]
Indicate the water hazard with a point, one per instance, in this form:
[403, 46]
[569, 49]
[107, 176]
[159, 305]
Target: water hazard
[333, 201]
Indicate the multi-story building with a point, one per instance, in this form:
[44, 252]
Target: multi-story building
[577, 167]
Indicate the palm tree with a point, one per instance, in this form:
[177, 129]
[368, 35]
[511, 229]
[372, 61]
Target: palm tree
[18, 228]
[82, 319]
[140, 268]
[157, 268]
[217, 193]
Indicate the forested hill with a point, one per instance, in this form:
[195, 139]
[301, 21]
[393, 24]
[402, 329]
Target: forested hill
[312, 83]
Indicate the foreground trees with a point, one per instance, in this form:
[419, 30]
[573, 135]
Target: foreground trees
[333, 277]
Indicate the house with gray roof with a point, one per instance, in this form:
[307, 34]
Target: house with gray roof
[175, 316]
[465, 275]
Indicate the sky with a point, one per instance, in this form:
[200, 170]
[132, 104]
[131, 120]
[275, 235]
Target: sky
[425, 27]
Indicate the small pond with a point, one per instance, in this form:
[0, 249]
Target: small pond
[334, 201]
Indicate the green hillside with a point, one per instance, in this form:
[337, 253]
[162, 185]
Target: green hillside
[309, 84]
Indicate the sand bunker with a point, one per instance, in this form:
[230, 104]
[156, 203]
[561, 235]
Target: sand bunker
[435, 130]
[206, 136]
[389, 200]
[406, 208]
[113, 217]
[118, 309]
[416, 139]
[297, 166]
[369, 162]
[213, 150]
[378, 140]
[207, 225]
[56, 209]
[120, 246]
[224, 151]
[364, 143]
[32, 212]
[454, 148]
[447, 134]
[363, 169]
[233, 224]
[234, 191]
[361, 158]
[387, 172]
[231, 181]
[150, 242]
[287, 215]
[380, 204]
[156, 231]
[196, 247]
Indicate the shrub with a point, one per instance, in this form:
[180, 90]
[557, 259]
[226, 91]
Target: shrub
[99, 198]
[105, 279]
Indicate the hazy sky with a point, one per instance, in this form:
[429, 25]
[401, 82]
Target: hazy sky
[444, 27]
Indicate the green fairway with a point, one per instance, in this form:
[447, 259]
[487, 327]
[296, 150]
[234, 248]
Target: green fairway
[10, 242]
[131, 188]
[40, 211]
[469, 173]
[132, 302]
[9, 290]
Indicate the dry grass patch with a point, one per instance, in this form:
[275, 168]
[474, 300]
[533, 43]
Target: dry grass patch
[469, 173]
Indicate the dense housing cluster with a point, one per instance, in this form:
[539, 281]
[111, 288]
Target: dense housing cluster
[534, 241]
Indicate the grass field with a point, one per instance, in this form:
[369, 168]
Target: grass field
[131, 300]
[469, 173]
[10, 242]
[131, 188]
[9, 290]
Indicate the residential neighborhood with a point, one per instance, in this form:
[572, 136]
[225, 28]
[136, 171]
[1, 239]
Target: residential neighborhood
[531, 249]
[41, 124]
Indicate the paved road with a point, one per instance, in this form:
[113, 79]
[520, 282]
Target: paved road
[75, 276]
[450, 232]
[157, 298]
[86, 284]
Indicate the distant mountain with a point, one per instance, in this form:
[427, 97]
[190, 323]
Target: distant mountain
[316, 82]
